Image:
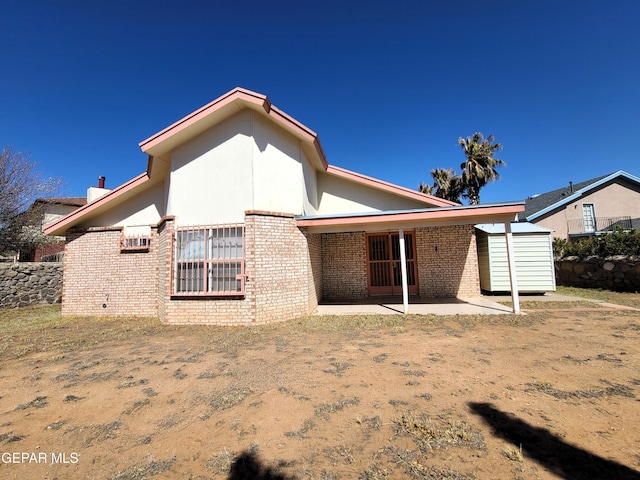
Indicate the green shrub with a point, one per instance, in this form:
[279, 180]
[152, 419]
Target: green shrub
[616, 243]
[559, 245]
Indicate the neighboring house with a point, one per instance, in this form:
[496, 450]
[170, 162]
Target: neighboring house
[240, 219]
[41, 213]
[599, 205]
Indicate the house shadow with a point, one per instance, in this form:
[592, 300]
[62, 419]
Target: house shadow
[549, 450]
[247, 466]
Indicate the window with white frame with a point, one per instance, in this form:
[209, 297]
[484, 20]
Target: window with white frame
[589, 217]
[209, 260]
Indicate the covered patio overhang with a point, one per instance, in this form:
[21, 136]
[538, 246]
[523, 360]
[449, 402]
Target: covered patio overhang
[402, 220]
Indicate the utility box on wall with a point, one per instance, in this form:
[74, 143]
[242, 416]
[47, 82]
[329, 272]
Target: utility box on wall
[533, 258]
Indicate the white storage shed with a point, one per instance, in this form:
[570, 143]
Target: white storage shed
[533, 253]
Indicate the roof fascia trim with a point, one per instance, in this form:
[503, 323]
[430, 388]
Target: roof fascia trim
[277, 115]
[411, 215]
[193, 117]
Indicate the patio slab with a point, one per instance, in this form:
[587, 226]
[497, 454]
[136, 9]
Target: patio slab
[484, 305]
[420, 306]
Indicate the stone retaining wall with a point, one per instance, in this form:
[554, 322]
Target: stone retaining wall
[618, 273]
[23, 284]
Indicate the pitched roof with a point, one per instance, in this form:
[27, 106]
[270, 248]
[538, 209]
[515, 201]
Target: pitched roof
[223, 107]
[67, 201]
[206, 117]
[101, 204]
[538, 205]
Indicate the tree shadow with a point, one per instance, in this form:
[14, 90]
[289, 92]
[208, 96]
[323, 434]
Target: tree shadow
[247, 466]
[549, 450]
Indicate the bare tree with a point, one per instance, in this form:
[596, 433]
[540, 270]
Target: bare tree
[20, 185]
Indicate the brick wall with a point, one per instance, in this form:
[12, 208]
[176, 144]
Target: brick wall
[99, 279]
[314, 242]
[344, 266]
[200, 310]
[288, 271]
[280, 268]
[447, 261]
[449, 271]
[165, 235]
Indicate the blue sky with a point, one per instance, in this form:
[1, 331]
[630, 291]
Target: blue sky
[389, 86]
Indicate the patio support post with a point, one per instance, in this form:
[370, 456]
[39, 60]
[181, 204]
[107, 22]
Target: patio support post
[512, 268]
[403, 268]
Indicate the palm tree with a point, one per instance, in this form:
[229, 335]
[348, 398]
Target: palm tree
[480, 167]
[446, 184]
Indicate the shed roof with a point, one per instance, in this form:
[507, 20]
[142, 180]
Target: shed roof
[520, 227]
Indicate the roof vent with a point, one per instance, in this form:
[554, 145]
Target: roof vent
[571, 186]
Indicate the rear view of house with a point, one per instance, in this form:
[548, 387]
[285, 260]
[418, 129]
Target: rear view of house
[240, 219]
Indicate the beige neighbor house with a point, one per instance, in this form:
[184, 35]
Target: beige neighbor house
[41, 213]
[589, 208]
[239, 219]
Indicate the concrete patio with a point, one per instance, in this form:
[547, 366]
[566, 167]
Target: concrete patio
[392, 305]
[417, 305]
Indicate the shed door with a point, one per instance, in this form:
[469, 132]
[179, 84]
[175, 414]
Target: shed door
[383, 264]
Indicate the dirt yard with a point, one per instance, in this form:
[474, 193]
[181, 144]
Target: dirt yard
[551, 394]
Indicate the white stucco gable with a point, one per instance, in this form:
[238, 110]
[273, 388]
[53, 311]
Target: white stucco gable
[342, 195]
[144, 209]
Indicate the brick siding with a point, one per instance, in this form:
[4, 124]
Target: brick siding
[280, 263]
[344, 266]
[234, 310]
[288, 272]
[282, 269]
[447, 261]
[314, 241]
[451, 270]
[99, 279]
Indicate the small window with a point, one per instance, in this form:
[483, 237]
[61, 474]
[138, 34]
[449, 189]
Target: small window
[209, 260]
[135, 244]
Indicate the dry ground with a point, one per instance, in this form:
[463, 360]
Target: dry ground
[546, 395]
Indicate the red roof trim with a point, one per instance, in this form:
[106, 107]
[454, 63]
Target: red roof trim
[410, 216]
[237, 94]
[194, 117]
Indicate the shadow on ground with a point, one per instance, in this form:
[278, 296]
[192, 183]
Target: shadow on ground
[549, 450]
[248, 467]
